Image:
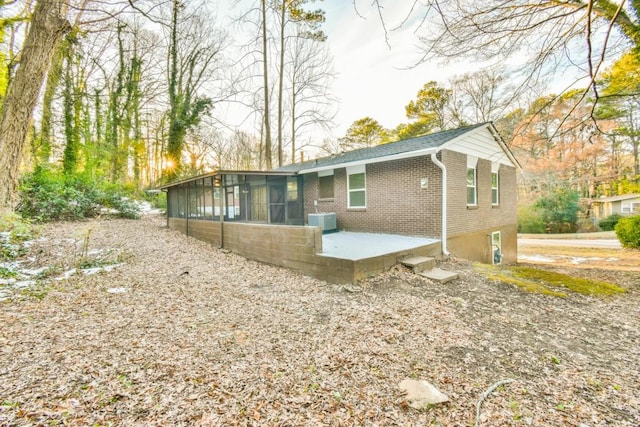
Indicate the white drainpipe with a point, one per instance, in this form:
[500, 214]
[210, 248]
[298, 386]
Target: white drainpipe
[434, 159]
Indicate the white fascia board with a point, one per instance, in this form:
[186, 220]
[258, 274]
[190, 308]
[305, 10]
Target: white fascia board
[409, 154]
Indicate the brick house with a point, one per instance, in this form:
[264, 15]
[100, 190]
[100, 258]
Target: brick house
[456, 189]
[398, 188]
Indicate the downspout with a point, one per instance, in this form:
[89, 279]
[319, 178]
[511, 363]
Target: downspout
[434, 159]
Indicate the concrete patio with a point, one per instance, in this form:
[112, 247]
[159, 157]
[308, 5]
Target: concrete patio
[359, 246]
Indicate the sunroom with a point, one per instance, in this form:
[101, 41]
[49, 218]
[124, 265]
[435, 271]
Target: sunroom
[238, 196]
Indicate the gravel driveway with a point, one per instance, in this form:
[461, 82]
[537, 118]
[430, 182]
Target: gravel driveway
[182, 333]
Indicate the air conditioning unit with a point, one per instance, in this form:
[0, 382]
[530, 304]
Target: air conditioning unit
[326, 221]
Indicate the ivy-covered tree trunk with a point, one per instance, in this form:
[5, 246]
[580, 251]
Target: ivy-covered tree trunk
[43, 153]
[73, 114]
[115, 115]
[186, 72]
[48, 26]
[70, 156]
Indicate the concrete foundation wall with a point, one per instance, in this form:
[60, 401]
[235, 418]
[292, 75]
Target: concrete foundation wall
[298, 248]
[475, 246]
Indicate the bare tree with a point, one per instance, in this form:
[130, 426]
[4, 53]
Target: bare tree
[312, 106]
[544, 37]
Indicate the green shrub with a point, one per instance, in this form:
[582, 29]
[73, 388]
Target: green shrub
[609, 223]
[559, 210]
[157, 200]
[14, 231]
[529, 220]
[49, 195]
[628, 231]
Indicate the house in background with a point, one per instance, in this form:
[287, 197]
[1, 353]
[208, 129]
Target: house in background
[456, 188]
[625, 205]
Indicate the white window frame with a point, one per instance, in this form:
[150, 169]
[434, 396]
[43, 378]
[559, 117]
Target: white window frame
[495, 171]
[356, 170]
[625, 207]
[472, 163]
[495, 234]
[474, 185]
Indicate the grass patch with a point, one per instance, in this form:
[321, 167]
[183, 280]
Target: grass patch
[547, 282]
[574, 284]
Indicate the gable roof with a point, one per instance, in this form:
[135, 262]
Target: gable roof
[412, 147]
[616, 198]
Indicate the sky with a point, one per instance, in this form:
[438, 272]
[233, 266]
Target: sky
[375, 77]
[372, 78]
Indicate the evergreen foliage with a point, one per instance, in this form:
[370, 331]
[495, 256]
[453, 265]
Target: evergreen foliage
[529, 220]
[628, 231]
[50, 195]
[609, 223]
[559, 210]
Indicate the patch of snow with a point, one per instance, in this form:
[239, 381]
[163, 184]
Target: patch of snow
[67, 274]
[536, 258]
[23, 284]
[11, 265]
[94, 270]
[5, 295]
[9, 281]
[578, 260]
[146, 208]
[33, 271]
[117, 290]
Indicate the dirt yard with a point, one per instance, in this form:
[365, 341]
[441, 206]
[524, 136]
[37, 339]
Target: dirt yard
[179, 333]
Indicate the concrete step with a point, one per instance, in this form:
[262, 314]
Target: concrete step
[419, 263]
[439, 275]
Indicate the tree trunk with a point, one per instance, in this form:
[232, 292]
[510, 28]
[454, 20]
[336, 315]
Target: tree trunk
[281, 78]
[293, 122]
[53, 79]
[267, 121]
[48, 26]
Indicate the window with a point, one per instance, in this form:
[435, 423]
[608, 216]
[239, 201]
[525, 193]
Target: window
[292, 190]
[630, 207]
[496, 247]
[471, 187]
[356, 186]
[472, 180]
[325, 184]
[495, 189]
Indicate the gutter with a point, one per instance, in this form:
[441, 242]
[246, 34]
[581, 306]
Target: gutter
[434, 159]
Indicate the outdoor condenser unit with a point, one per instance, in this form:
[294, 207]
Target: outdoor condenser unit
[326, 221]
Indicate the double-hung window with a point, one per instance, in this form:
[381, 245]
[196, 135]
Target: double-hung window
[325, 184]
[495, 184]
[356, 186]
[472, 181]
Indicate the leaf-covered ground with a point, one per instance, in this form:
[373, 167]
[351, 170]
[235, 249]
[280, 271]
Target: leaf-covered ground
[182, 333]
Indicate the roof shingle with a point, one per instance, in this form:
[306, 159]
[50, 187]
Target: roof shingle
[433, 140]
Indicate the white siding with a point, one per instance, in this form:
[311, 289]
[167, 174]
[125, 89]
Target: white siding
[480, 143]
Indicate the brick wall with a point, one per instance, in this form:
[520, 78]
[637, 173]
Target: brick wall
[468, 227]
[396, 203]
